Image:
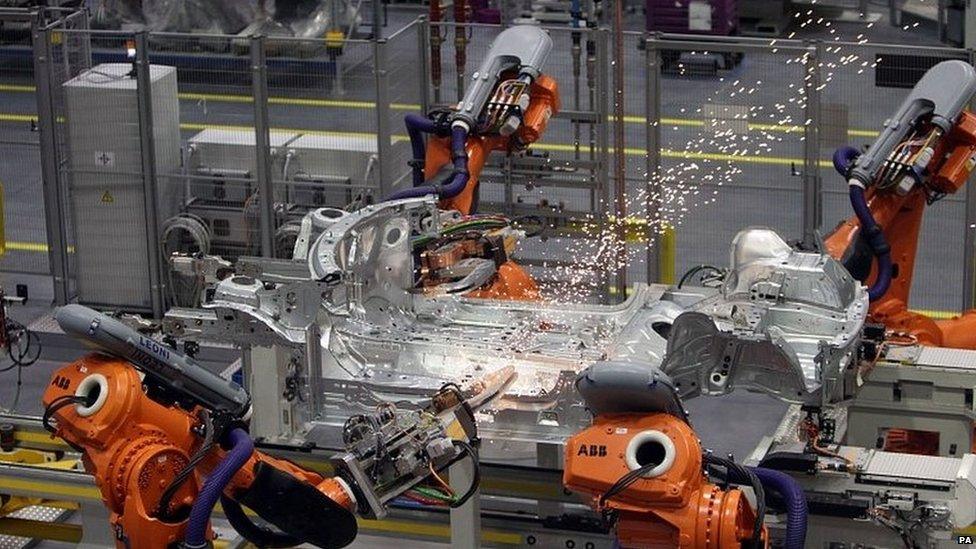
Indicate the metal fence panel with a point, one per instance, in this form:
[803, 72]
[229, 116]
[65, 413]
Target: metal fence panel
[324, 123]
[26, 237]
[26, 240]
[731, 144]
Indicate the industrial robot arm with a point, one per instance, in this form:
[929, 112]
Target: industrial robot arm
[643, 467]
[165, 440]
[507, 107]
[924, 152]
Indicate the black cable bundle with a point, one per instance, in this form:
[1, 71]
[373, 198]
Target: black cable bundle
[23, 346]
[162, 509]
[738, 474]
[476, 478]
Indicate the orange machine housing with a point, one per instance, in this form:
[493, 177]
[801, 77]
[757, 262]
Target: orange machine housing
[677, 508]
[900, 217]
[512, 281]
[544, 94]
[135, 446]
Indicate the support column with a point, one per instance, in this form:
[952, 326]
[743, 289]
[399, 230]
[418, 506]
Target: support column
[619, 156]
[466, 519]
[812, 197]
[969, 238]
[55, 212]
[423, 55]
[969, 25]
[149, 183]
[384, 171]
[266, 370]
[652, 112]
[262, 145]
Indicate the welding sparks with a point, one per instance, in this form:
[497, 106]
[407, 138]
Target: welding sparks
[739, 119]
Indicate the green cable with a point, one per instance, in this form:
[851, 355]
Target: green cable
[432, 493]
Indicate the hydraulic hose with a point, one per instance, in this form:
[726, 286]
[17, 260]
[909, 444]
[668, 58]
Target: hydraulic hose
[240, 451]
[871, 232]
[796, 504]
[417, 126]
[843, 159]
[459, 177]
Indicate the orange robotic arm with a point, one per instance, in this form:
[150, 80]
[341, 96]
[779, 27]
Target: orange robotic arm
[543, 96]
[672, 504]
[511, 281]
[642, 466]
[926, 151]
[899, 214]
[135, 447]
[506, 108]
[162, 460]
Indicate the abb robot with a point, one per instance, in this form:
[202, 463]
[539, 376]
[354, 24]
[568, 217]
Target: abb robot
[926, 151]
[643, 467]
[165, 440]
[506, 108]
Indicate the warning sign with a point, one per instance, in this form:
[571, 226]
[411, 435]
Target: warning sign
[107, 198]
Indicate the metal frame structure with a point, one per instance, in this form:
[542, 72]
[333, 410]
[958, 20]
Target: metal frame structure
[597, 162]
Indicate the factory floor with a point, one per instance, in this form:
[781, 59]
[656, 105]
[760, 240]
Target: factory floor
[731, 424]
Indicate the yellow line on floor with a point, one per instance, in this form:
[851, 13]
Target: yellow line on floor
[937, 315]
[7, 117]
[295, 101]
[17, 88]
[35, 247]
[350, 104]
[39, 247]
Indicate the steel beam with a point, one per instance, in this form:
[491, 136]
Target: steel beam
[652, 187]
[384, 170]
[262, 144]
[149, 182]
[55, 211]
[812, 197]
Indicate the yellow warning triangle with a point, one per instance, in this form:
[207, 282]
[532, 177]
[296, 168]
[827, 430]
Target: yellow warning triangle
[107, 198]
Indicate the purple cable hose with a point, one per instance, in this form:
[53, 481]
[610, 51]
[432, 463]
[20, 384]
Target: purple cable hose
[796, 504]
[417, 126]
[196, 528]
[843, 159]
[459, 178]
[872, 233]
